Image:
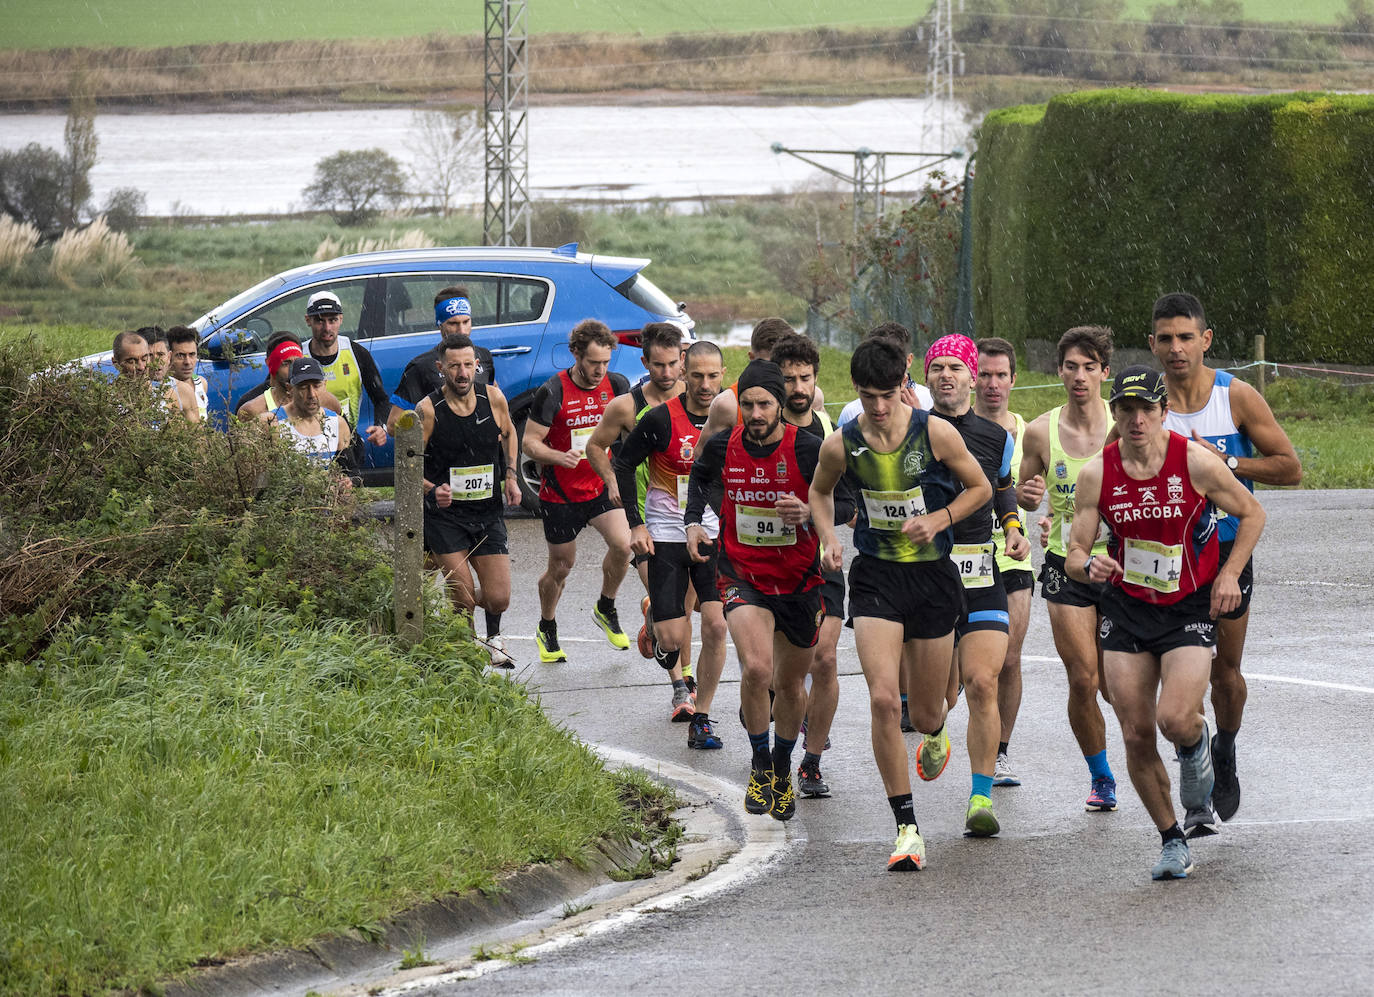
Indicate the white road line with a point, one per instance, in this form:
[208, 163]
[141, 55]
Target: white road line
[1343, 686]
[765, 841]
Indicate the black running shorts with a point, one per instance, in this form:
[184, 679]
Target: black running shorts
[670, 569]
[563, 521]
[1247, 582]
[797, 617]
[1133, 626]
[926, 597]
[1057, 586]
[447, 534]
[1020, 578]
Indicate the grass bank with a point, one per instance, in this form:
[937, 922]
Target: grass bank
[174, 798]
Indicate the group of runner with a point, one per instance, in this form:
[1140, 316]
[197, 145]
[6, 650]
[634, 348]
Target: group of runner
[727, 500]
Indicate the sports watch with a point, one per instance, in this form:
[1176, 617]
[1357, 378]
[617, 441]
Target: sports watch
[1233, 462]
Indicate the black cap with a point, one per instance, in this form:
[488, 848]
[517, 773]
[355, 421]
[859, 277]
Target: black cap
[324, 303]
[763, 374]
[1139, 381]
[306, 369]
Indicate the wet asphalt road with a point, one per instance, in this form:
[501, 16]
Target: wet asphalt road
[1281, 900]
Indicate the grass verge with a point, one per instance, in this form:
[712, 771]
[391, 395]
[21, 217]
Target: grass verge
[178, 798]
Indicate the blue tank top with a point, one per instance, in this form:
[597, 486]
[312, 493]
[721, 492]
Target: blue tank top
[1214, 424]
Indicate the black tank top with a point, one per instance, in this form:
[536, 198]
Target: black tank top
[470, 442]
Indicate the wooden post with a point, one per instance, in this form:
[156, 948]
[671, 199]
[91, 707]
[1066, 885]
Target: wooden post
[410, 530]
[1259, 359]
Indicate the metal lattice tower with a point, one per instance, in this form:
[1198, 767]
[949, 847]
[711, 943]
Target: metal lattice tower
[506, 218]
[944, 57]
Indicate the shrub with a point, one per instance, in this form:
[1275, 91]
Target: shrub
[94, 255]
[125, 208]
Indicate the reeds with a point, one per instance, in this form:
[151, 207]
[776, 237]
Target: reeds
[17, 241]
[414, 238]
[94, 255]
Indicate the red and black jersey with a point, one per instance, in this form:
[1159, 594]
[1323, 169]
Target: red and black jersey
[572, 414]
[1163, 531]
[774, 558]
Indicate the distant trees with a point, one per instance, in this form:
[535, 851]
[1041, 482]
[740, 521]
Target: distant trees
[446, 149]
[354, 185]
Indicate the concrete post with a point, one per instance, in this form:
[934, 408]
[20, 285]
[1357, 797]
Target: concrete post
[410, 530]
[1259, 359]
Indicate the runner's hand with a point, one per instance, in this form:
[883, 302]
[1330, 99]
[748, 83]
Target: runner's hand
[1018, 547]
[793, 510]
[376, 435]
[443, 496]
[613, 493]
[1043, 525]
[512, 491]
[568, 458]
[1030, 492]
[833, 558]
[640, 541]
[1103, 568]
[1225, 595]
[696, 536]
[922, 529]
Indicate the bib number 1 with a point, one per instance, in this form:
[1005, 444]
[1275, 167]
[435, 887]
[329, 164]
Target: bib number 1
[1153, 565]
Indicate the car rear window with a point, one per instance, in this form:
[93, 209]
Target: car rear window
[643, 292]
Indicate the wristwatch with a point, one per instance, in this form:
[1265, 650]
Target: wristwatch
[1233, 462]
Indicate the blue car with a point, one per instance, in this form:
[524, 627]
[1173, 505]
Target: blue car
[524, 304]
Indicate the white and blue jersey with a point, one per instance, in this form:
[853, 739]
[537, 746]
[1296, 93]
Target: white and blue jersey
[322, 447]
[1214, 423]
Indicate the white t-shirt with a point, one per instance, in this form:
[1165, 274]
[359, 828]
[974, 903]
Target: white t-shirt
[853, 410]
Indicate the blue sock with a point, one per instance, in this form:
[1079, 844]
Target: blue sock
[982, 785]
[1097, 765]
[903, 699]
[759, 743]
[782, 753]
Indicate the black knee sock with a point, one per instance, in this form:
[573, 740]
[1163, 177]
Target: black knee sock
[1226, 741]
[902, 809]
[493, 622]
[1002, 747]
[606, 603]
[782, 754]
[1171, 832]
[548, 626]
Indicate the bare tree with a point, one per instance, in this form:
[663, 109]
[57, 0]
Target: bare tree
[446, 151]
[79, 138]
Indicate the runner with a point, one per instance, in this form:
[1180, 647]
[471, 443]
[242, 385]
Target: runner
[1059, 443]
[800, 362]
[1156, 490]
[349, 368]
[261, 400]
[913, 394]
[184, 346]
[664, 439]
[996, 378]
[904, 592]
[319, 433]
[1232, 418]
[470, 445]
[767, 572]
[662, 358]
[981, 634]
[562, 418]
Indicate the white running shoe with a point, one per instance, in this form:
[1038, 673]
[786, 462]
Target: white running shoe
[1002, 775]
[499, 657]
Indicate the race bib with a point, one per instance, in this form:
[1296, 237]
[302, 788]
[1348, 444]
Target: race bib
[761, 526]
[888, 510]
[682, 480]
[471, 483]
[1153, 565]
[580, 438]
[974, 562]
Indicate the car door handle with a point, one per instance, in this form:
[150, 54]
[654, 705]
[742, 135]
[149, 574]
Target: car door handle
[510, 351]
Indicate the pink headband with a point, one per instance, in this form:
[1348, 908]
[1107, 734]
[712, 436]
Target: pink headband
[957, 346]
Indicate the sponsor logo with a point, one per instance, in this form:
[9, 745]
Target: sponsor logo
[480, 421]
[1061, 469]
[858, 452]
[1053, 580]
[732, 594]
[913, 463]
[1146, 512]
[1203, 628]
[1105, 628]
[1175, 486]
[782, 468]
[749, 495]
[820, 615]
[604, 396]
[1147, 495]
[685, 447]
[1118, 491]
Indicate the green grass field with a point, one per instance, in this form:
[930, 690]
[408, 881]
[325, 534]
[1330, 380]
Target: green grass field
[43, 24]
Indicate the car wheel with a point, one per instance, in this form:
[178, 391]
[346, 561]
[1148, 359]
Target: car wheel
[528, 474]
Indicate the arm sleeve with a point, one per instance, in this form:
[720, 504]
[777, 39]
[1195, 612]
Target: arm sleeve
[1004, 495]
[411, 388]
[706, 471]
[547, 401]
[372, 384]
[649, 436]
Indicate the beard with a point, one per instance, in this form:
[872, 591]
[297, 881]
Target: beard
[758, 435]
[799, 404]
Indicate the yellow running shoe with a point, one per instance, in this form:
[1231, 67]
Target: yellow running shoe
[980, 821]
[610, 623]
[933, 756]
[549, 648]
[909, 852]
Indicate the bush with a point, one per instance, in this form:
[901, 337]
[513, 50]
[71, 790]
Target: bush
[355, 184]
[109, 509]
[1090, 206]
[32, 180]
[125, 208]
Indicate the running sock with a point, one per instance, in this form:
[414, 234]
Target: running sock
[549, 627]
[679, 685]
[1169, 834]
[759, 743]
[936, 732]
[1002, 747]
[810, 760]
[1226, 741]
[493, 623]
[1194, 748]
[606, 603]
[782, 753]
[903, 699]
[1097, 765]
[902, 809]
[982, 785]
[700, 718]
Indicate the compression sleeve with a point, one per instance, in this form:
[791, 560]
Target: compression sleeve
[651, 435]
[706, 472]
[1004, 496]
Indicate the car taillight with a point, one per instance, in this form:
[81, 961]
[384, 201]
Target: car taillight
[631, 337]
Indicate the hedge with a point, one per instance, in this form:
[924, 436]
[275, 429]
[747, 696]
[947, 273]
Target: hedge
[1090, 206]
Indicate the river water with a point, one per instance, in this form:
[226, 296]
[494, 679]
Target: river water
[258, 162]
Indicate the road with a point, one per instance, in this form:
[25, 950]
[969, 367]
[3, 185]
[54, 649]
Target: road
[1061, 901]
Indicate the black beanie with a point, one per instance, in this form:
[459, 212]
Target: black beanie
[763, 374]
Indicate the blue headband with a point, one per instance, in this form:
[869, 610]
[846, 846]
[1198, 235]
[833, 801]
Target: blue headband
[450, 308]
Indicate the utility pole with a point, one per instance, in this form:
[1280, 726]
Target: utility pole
[943, 56]
[506, 217]
[869, 177]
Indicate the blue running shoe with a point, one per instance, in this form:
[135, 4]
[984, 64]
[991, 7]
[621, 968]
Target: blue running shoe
[1195, 775]
[1103, 795]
